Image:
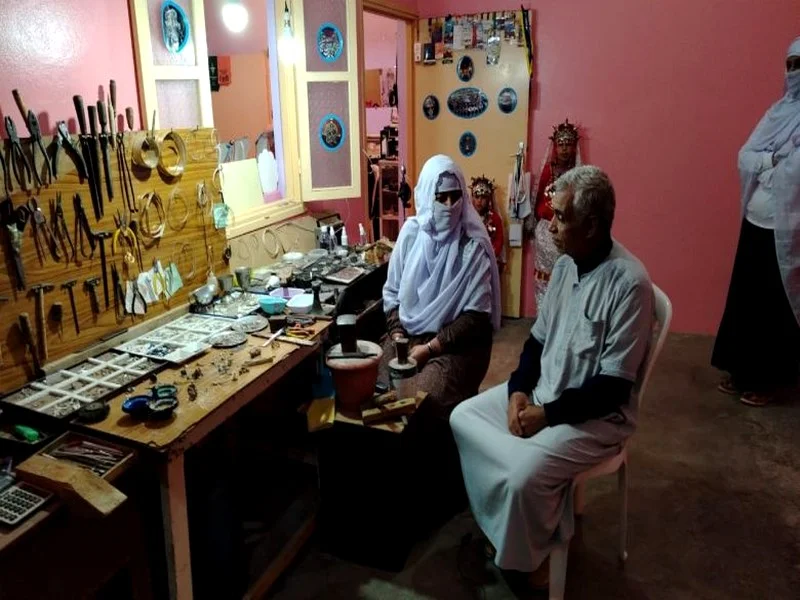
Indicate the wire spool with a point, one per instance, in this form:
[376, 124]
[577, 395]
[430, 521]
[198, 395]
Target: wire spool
[145, 151]
[172, 145]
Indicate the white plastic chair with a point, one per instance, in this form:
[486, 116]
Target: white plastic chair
[618, 463]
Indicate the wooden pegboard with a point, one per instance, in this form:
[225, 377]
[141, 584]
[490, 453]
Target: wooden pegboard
[17, 366]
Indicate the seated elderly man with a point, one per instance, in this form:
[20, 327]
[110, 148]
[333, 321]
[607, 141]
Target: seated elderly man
[571, 403]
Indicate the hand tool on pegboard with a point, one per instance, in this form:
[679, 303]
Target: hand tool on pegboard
[69, 285]
[38, 290]
[91, 287]
[27, 336]
[104, 143]
[63, 139]
[32, 123]
[89, 151]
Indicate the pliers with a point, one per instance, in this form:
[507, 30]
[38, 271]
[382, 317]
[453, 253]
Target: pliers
[60, 229]
[82, 228]
[36, 140]
[41, 228]
[6, 175]
[19, 163]
[64, 139]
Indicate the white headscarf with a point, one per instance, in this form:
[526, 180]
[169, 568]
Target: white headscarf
[778, 133]
[443, 263]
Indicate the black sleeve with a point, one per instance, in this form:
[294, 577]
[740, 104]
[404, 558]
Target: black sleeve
[597, 398]
[525, 378]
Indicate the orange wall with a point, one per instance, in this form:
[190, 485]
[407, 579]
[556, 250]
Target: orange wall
[243, 108]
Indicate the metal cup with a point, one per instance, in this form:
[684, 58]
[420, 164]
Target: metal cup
[243, 277]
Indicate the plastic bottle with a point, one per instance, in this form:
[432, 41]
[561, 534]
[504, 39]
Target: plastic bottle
[362, 235]
[344, 237]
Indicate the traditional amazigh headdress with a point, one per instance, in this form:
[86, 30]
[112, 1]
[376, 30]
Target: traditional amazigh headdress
[565, 132]
[482, 186]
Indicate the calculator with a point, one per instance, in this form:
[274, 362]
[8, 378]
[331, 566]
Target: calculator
[19, 500]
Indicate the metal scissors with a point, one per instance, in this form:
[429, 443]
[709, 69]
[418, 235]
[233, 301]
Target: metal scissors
[19, 163]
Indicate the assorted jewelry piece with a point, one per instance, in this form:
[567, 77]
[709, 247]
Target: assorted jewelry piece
[65, 392]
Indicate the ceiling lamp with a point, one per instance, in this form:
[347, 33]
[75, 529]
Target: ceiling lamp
[235, 16]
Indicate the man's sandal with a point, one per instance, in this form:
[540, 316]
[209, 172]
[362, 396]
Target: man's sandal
[754, 399]
[727, 386]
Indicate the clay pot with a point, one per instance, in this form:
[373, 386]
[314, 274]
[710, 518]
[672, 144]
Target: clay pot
[354, 378]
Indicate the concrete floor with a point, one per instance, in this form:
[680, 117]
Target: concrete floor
[714, 506]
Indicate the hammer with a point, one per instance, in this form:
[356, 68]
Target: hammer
[90, 285]
[68, 285]
[102, 236]
[39, 290]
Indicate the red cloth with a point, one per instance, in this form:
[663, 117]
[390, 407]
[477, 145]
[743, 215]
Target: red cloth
[542, 208]
[497, 236]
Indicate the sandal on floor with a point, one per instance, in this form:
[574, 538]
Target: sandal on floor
[727, 386]
[754, 399]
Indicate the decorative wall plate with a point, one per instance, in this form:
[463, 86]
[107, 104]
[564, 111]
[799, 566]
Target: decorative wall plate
[174, 26]
[467, 102]
[467, 143]
[430, 107]
[465, 68]
[507, 100]
[329, 42]
[331, 132]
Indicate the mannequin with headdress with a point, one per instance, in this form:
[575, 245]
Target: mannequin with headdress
[482, 189]
[562, 155]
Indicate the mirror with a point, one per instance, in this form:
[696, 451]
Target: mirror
[244, 91]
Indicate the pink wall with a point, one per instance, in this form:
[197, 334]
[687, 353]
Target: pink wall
[53, 49]
[666, 92]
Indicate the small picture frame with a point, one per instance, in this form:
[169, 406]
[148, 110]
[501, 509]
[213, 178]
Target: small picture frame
[465, 68]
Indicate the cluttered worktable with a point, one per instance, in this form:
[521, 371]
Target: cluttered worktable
[224, 385]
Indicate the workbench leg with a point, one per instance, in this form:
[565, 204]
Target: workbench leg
[176, 528]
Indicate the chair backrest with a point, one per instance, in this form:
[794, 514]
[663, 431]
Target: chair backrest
[663, 308]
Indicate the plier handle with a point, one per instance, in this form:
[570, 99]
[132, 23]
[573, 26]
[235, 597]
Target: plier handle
[64, 139]
[36, 141]
[82, 228]
[19, 163]
[60, 229]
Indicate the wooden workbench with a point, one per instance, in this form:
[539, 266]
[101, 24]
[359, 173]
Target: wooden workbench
[222, 391]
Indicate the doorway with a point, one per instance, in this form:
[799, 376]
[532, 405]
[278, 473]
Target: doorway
[386, 122]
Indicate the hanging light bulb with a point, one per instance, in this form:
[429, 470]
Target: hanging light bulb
[287, 49]
[235, 16]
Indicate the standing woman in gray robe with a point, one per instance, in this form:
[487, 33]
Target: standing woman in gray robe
[758, 342]
[443, 294]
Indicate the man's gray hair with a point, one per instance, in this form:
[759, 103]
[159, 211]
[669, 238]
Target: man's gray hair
[592, 192]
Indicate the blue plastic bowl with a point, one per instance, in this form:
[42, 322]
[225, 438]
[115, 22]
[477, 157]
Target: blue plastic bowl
[272, 305]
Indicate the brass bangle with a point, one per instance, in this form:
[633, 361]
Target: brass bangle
[176, 193]
[145, 151]
[177, 169]
[182, 248]
[147, 231]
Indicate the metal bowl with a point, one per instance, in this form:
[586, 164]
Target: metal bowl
[204, 295]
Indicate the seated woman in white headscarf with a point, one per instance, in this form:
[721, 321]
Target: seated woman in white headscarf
[443, 288]
[443, 294]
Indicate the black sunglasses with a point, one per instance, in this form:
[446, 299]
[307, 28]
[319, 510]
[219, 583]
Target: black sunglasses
[454, 196]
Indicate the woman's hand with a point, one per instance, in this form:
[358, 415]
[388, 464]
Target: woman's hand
[516, 405]
[421, 354]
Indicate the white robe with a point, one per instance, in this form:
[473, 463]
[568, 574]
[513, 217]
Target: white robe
[596, 324]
